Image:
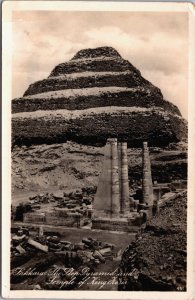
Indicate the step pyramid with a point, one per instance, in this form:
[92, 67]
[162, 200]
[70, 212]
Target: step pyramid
[95, 96]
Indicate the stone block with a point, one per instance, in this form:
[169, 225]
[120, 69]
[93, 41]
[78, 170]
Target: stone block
[98, 255]
[34, 217]
[122, 225]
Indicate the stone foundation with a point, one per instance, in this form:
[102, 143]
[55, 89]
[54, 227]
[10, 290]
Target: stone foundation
[38, 218]
[56, 218]
[117, 224]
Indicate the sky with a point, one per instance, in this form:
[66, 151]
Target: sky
[155, 43]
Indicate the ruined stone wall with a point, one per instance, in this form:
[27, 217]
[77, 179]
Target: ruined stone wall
[34, 217]
[56, 218]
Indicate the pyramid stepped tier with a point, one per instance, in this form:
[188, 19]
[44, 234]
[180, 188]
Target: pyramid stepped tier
[94, 96]
[99, 64]
[100, 51]
[94, 126]
[91, 72]
[88, 79]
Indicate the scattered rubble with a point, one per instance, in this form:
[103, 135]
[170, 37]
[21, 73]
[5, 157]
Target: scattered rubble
[48, 252]
[157, 260]
[46, 207]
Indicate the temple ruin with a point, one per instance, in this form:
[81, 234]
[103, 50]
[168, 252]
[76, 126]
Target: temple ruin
[114, 209]
[112, 197]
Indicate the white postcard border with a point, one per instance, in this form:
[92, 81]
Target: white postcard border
[8, 7]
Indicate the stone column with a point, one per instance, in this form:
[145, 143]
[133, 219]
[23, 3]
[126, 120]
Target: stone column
[147, 186]
[159, 194]
[124, 180]
[119, 168]
[103, 198]
[41, 231]
[115, 179]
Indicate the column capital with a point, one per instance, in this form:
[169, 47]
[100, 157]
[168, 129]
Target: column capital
[112, 140]
[145, 145]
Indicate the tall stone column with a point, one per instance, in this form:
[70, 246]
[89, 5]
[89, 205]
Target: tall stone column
[41, 231]
[124, 180]
[147, 186]
[119, 168]
[103, 198]
[115, 179]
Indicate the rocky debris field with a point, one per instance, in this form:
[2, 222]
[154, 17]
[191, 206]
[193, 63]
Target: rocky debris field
[70, 166]
[66, 167]
[156, 261]
[46, 261]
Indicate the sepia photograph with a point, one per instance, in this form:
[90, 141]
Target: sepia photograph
[98, 188]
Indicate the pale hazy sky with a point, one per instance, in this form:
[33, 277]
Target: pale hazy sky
[155, 43]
